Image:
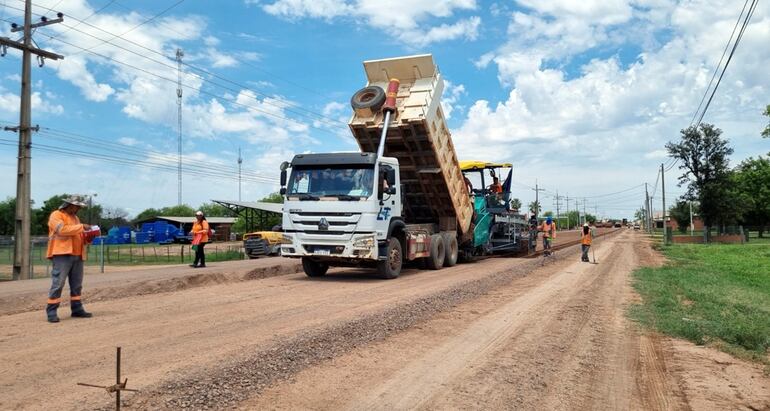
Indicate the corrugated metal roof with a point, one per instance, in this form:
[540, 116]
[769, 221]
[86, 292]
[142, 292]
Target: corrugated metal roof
[190, 220]
[259, 205]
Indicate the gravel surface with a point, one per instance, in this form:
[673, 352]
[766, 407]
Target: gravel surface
[231, 383]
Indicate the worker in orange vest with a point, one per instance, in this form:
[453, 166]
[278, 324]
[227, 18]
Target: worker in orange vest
[585, 242]
[200, 232]
[549, 232]
[67, 251]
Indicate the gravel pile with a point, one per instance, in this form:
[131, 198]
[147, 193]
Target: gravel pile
[229, 384]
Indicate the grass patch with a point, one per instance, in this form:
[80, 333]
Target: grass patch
[716, 294]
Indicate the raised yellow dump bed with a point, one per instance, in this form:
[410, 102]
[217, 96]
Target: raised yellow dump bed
[418, 137]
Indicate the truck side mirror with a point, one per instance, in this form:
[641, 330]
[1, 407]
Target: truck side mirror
[283, 178]
[283, 191]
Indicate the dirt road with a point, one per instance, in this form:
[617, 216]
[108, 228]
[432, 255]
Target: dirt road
[501, 333]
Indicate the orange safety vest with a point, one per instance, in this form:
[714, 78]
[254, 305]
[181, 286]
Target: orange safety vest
[585, 239]
[496, 188]
[549, 230]
[201, 228]
[65, 235]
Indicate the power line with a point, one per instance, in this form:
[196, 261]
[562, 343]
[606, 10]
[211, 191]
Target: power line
[729, 58]
[113, 147]
[80, 21]
[719, 64]
[138, 163]
[230, 100]
[316, 116]
[273, 76]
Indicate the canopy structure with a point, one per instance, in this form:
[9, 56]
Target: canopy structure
[258, 215]
[471, 165]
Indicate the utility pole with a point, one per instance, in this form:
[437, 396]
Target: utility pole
[21, 253]
[566, 202]
[537, 198]
[692, 227]
[577, 208]
[179, 55]
[646, 208]
[663, 191]
[240, 161]
[558, 216]
[585, 216]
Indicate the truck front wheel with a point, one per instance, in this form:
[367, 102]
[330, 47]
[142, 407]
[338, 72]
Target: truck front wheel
[314, 268]
[391, 268]
[437, 252]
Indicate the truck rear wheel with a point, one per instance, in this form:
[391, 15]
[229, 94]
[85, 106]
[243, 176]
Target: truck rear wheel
[391, 268]
[451, 249]
[437, 252]
[314, 268]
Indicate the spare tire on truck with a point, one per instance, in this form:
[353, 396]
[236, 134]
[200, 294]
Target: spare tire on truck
[372, 97]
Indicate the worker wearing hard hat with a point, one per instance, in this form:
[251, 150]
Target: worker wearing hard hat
[549, 232]
[586, 235]
[67, 251]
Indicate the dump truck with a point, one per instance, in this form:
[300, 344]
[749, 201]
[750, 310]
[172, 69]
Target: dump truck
[402, 198]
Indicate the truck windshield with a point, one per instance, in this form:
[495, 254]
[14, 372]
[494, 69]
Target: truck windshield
[345, 183]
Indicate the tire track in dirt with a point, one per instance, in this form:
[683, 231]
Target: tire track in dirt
[553, 339]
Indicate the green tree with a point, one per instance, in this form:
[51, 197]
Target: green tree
[640, 215]
[273, 198]
[766, 131]
[703, 155]
[535, 208]
[113, 217]
[752, 182]
[515, 204]
[182, 210]
[148, 213]
[8, 216]
[680, 212]
[215, 210]
[273, 219]
[548, 213]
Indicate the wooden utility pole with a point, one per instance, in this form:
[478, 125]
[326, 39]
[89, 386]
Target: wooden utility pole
[22, 231]
[663, 191]
[537, 198]
[647, 209]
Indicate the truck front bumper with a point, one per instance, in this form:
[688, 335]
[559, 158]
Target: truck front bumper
[358, 247]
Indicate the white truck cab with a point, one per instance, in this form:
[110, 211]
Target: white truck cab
[339, 208]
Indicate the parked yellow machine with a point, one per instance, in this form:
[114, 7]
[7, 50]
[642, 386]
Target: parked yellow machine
[262, 243]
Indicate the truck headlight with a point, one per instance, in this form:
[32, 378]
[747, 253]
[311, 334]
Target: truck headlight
[364, 242]
[287, 239]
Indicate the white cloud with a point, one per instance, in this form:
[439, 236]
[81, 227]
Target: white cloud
[609, 119]
[464, 29]
[407, 18]
[9, 102]
[451, 98]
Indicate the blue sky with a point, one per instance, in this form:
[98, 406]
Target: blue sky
[580, 96]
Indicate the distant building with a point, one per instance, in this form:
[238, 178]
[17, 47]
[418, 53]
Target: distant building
[657, 217]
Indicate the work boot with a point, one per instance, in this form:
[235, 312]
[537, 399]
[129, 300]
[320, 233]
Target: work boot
[50, 311]
[78, 310]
